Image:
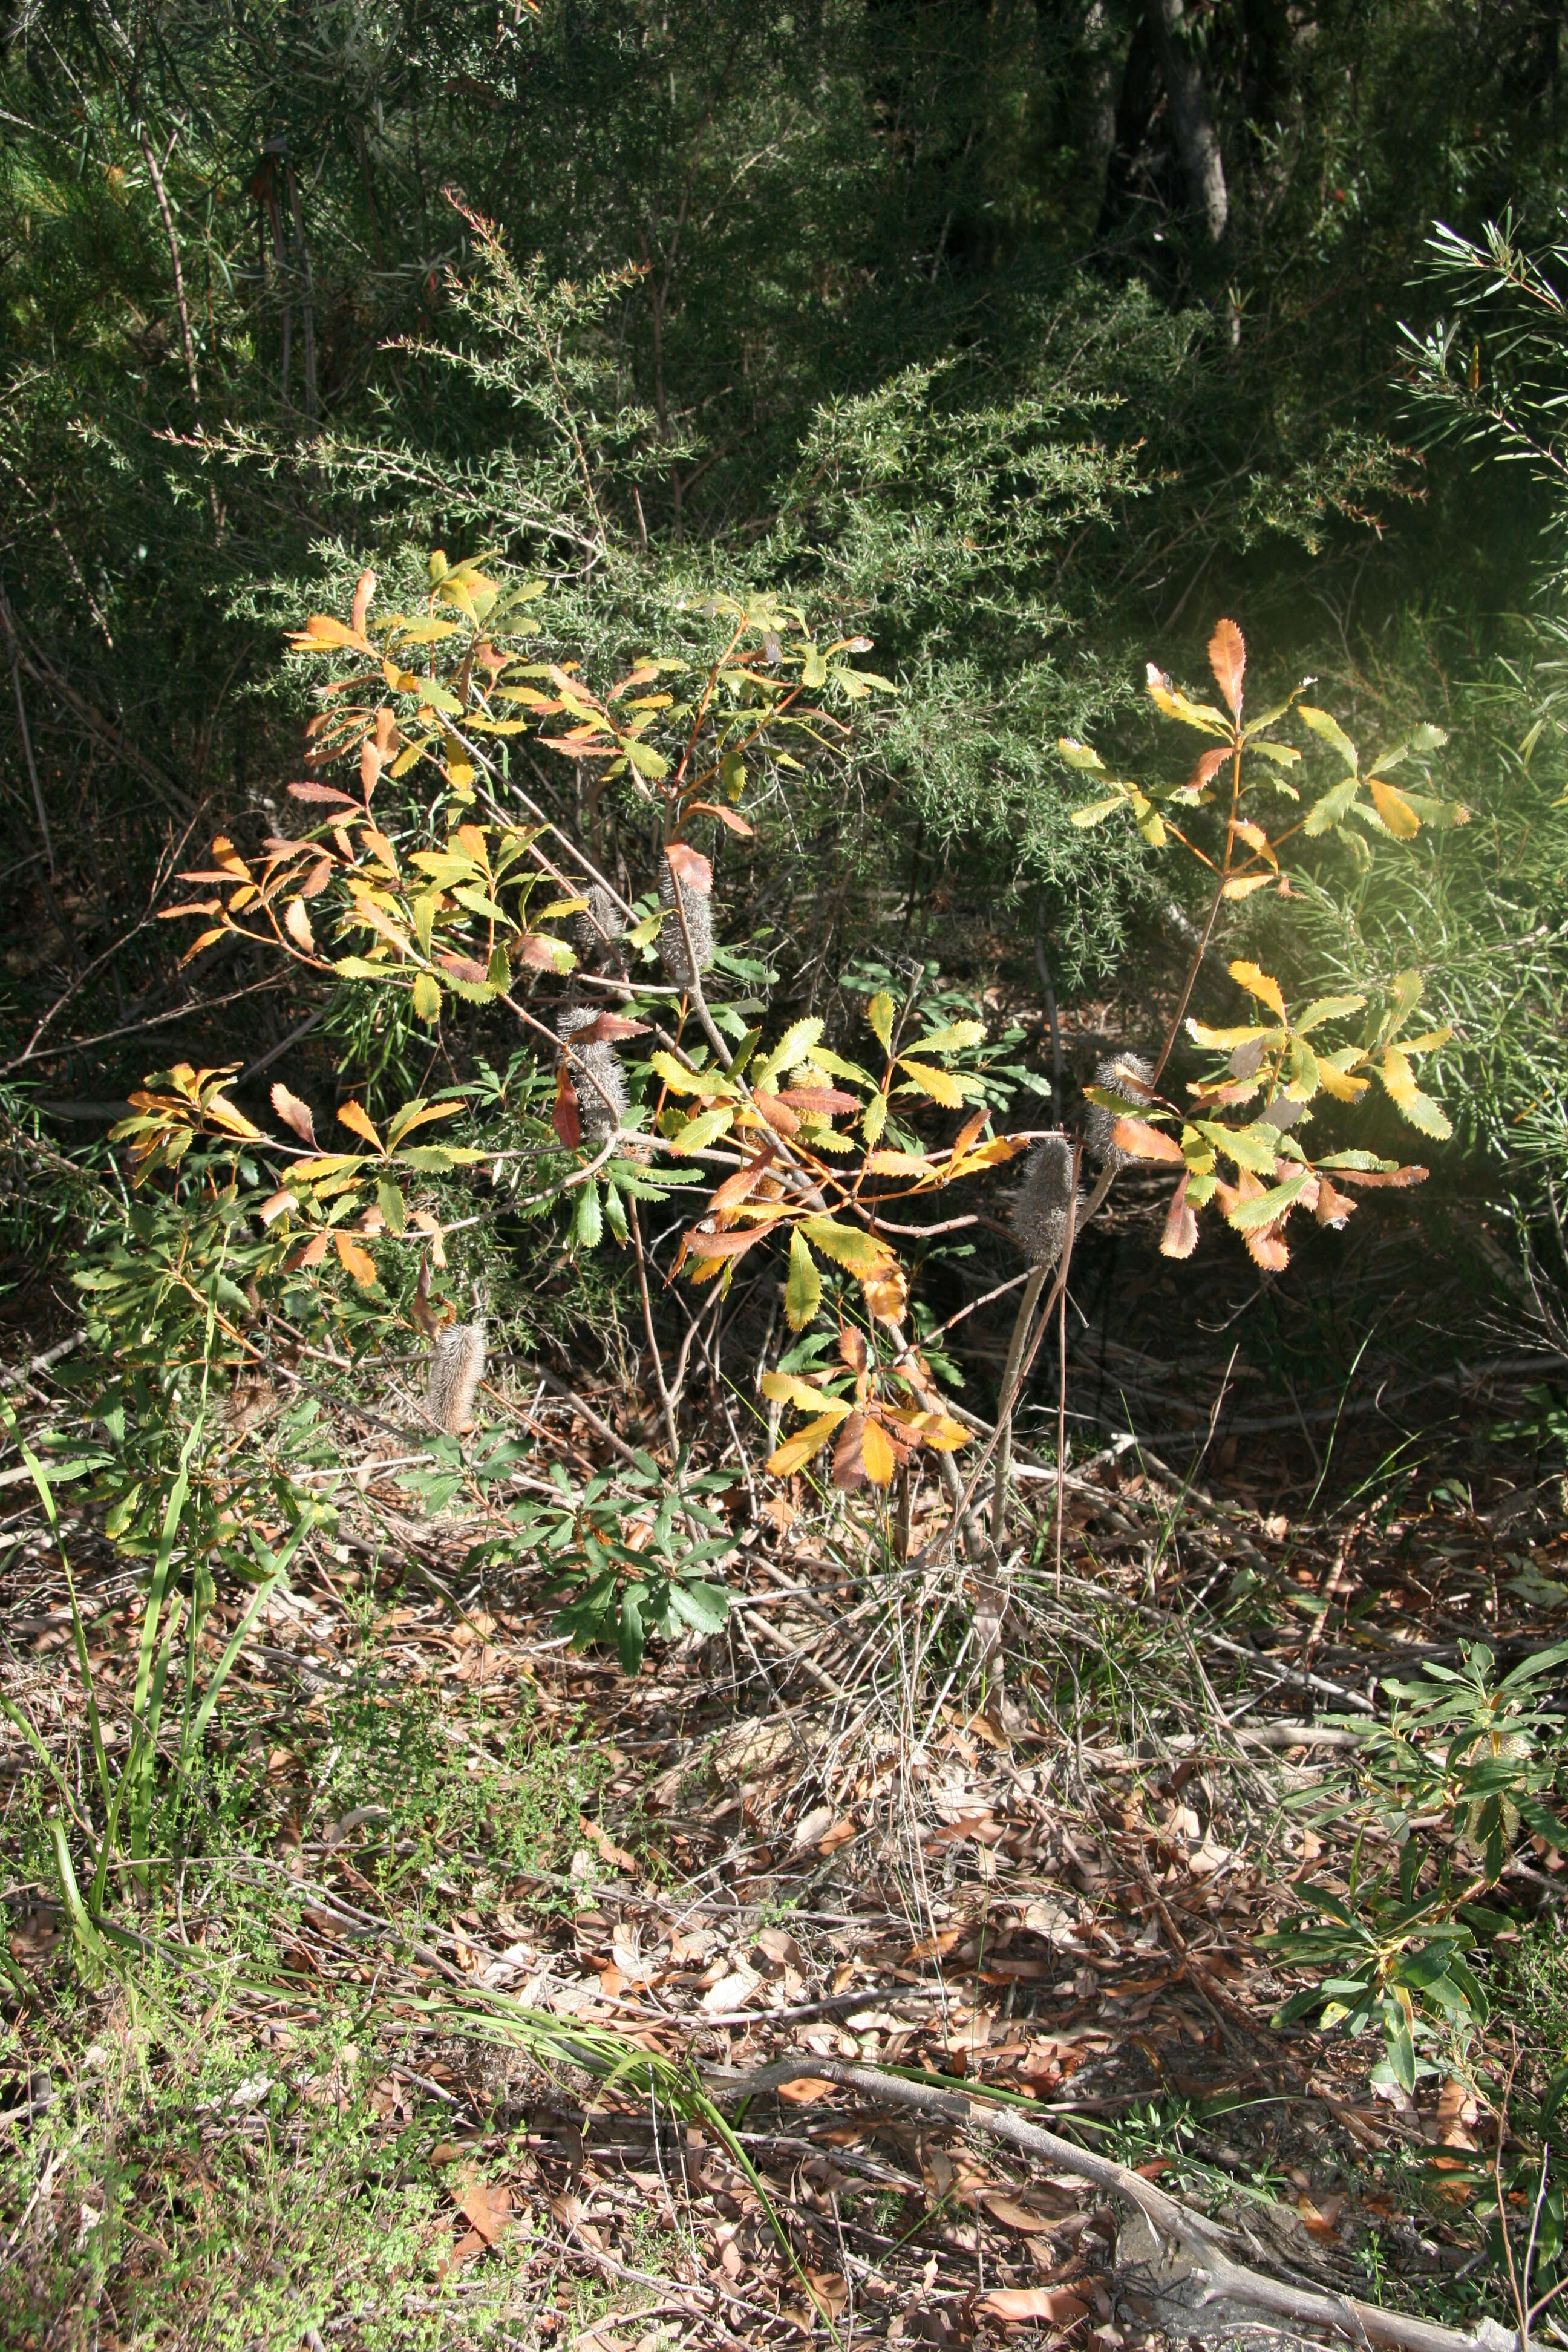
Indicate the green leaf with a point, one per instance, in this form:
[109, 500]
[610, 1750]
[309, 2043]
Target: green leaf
[1327, 1008]
[1250, 1216]
[393, 1205]
[587, 1223]
[880, 1014]
[1324, 723]
[1246, 1145]
[705, 1128]
[629, 1633]
[1402, 2056]
[802, 1291]
[847, 1245]
[477, 903]
[646, 760]
[950, 1040]
[1334, 805]
[428, 995]
[793, 1046]
[705, 1607]
[1079, 755]
[356, 968]
[1095, 812]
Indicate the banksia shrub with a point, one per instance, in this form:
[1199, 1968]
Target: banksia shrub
[698, 910]
[599, 924]
[1130, 1076]
[1040, 1211]
[596, 1076]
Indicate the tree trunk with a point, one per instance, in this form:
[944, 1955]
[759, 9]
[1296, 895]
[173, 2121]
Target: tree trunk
[1191, 121]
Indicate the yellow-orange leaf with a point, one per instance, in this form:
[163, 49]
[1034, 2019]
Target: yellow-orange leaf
[799, 1449]
[940, 1085]
[898, 1163]
[887, 1293]
[1143, 1141]
[1257, 983]
[354, 1117]
[877, 1455]
[355, 1261]
[297, 923]
[1228, 659]
[1393, 809]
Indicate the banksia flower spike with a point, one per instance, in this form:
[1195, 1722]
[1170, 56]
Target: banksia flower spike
[596, 1076]
[1130, 1076]
[457, 1368]
[1040, 1211]
[678, 898]
[599, 926]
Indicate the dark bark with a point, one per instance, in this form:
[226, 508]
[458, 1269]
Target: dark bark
[1192, 116]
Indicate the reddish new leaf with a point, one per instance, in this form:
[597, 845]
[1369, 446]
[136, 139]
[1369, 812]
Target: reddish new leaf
[725, 816]
[691, 867]
[563, 1118]
[848, 1464]
[295, 1115]
[465, 968]
[820, 1100]
[1180, 1238]
[313, 792]
[735, 1187]
[1145, 1142]
[610, 1028]
[778, 1112]
[538, 953]
[1400, 1178]
[735, 1244]
[1332, 1208]
[852, 1348]
[1228, 659]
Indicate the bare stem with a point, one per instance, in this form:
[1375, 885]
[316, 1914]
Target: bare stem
[658, 1380]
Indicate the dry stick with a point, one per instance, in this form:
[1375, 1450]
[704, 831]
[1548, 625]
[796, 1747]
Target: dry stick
[162, 193]
[32, 763]
[1362, 2323]
[664, 1398]
[1013, 1375]
[584, 1413]
[1062, 1373]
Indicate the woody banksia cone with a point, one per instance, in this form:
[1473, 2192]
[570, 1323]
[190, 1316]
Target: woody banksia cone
[1040, 1211]
[699, 912]
[1130, 1076]
[596, 1076]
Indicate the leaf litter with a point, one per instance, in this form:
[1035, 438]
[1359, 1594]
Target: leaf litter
[1042, 1893]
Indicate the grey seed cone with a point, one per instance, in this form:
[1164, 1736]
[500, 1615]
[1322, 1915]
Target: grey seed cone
[698, 909]
[595, 1074]
[1130, 1076]
[1040, 1211]
[599, 926]
[457, 1368]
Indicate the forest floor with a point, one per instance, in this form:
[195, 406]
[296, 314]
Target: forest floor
[357, 2065]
